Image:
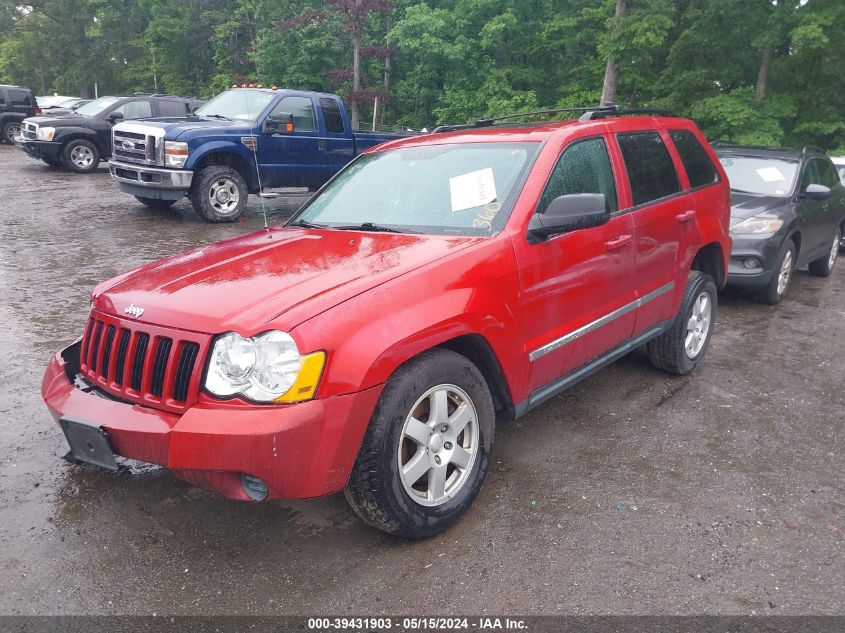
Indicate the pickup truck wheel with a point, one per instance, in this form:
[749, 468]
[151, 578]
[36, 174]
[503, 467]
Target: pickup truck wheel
[80, 156]
[679, 349]
[155, 203]
[219, 194]
[10, 131]
[427, 449]
[823, 266]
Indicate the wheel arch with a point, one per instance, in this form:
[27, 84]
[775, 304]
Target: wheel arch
[73, 134]
[230, 158]
[478, 350]
[710, 259]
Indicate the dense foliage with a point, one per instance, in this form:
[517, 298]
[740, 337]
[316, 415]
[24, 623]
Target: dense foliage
[754, 71]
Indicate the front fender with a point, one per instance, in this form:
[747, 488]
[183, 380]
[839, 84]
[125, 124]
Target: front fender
[369, 336]
[204, 150]
[66, 133]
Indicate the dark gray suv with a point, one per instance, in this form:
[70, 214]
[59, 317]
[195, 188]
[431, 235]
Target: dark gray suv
[16, 104]
[787, 210]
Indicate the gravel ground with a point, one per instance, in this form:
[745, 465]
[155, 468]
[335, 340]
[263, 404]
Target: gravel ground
[633, 493]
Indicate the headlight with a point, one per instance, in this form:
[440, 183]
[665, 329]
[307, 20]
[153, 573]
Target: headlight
[45, 133]
[175, 154]
[757, 225]
[264, 368]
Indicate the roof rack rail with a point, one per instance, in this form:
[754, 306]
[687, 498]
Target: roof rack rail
[590, 113]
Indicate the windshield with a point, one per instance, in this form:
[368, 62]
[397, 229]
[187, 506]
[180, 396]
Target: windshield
[462, 189]
[97, 106]
[840, 169]
[243, 105]
[762, 176]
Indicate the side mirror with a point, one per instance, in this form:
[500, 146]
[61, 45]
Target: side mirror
[114, 117]
[279, 124]
[569, 213]
[816, 192]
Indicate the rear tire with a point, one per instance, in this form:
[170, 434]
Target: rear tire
[155, 203]
[823, 266]
[10, 131]
[219, 194]
[775, 290]
[80, 156]
[434, 415]
[679, 349]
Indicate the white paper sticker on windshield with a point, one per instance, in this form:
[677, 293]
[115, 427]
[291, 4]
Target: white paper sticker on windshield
[770, 174]
[472, 190]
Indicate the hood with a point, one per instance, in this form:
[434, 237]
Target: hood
[285, 275]
[182, 128]
[746, 205]
[59, 119]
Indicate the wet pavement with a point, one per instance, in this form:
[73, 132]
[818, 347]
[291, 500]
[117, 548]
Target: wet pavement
[633, 493]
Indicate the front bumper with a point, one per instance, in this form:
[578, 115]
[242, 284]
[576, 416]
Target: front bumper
[151, 182]
[763, 250]
[298, 451]
[46, 150]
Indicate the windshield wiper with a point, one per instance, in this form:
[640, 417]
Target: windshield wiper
[367, 226]
[216, 116]
[306, 224]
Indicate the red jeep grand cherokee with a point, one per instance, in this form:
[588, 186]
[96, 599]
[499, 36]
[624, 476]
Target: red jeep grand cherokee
[436, 286]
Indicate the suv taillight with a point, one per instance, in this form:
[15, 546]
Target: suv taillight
[37, 111]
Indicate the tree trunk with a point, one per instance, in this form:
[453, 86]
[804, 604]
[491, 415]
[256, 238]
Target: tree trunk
[388, 68]
[356, 65]
[611, 72]
[763, 75]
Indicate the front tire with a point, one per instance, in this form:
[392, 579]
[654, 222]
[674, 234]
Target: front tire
[427, 449]
[10, 131]
[775, 290]
[681, 347]
[80, 156]
[155, 203]
[823, 266]
[219, 194]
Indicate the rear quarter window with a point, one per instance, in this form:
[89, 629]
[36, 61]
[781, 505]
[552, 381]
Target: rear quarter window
[697, 163]
[19, 97]
[651, 172]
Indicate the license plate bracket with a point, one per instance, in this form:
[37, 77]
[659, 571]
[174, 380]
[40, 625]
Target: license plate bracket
[89, 443]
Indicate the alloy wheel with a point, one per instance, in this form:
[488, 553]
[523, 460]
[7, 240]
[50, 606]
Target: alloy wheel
[834, 251]
[81, 156]
[438, 445]
[785, 273]
[698, 325]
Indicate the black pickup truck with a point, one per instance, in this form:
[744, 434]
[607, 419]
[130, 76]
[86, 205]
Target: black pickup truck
[79, 140]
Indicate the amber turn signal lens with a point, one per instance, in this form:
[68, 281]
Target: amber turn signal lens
[307, 381]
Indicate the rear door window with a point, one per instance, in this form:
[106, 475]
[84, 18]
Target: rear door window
[584, 167]
[697, 163]
[169, 107]
[651, 172]
[19, 97]
[331, 112]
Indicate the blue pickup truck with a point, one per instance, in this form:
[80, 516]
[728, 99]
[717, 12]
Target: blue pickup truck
[245, 140]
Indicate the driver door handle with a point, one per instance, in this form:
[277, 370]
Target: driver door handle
[620, 242]
[686, 216]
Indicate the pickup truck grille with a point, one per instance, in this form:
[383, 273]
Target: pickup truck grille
[131, 147]
[30, 131]
[145, 364]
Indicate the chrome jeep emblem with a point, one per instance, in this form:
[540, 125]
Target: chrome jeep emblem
[127, 145]
[134, 311]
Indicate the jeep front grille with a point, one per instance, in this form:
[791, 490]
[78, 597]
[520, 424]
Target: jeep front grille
[145, 364]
